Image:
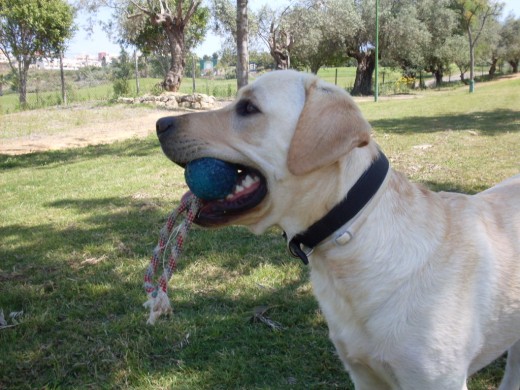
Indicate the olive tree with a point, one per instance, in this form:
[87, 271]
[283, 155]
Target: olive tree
[174, 25]
[510, 42]
[30, 29]
[474, 14]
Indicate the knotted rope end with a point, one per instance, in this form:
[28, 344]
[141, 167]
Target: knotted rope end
[159, 304]
[174, 238]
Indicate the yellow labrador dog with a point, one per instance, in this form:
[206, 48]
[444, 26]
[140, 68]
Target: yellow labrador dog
[419, 289]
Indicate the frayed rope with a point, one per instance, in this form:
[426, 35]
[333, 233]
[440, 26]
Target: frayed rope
[158, 301]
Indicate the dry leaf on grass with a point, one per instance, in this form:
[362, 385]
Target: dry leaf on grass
[94, 260]
[14, 316]
[259, 316]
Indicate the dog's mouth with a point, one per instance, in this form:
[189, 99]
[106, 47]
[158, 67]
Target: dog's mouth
[248, 192]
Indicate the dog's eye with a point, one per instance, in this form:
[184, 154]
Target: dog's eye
[246, 107]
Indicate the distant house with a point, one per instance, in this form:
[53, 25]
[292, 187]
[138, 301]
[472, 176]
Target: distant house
[80, 61]
[208, 66]
[104, 58]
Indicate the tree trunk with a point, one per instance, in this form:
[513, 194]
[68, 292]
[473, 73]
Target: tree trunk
[242, 41]
[493, 67]
[514, 65]
[438, 74]
[280, 44]
[315, 66]
[62, 78]
[23, 70]
[137, 86]
[173, 79]
[281, 60]
[471, 56]
[366, 63]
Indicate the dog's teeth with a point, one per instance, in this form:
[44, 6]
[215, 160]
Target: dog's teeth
[239, 189]
[248, 181]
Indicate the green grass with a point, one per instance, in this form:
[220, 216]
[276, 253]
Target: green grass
[347, 75]
[77, 228]
[104, 92]
[9, 102]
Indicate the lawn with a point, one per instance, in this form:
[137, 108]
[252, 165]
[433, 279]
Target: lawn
[77, 228]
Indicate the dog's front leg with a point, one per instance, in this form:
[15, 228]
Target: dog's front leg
[365, 378]
[511, 380]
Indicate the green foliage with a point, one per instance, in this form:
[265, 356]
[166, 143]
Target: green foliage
[35, 26]
[192, 62]
[510, 42]
[121, 74]
[32, 28]
[163, 42]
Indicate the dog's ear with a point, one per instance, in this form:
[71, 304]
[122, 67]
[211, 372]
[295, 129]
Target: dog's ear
[329, 127]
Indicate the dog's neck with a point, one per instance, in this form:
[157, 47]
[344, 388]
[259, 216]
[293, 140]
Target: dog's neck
[365, 188]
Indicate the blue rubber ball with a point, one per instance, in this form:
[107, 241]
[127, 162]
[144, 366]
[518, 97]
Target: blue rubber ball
[210, 178]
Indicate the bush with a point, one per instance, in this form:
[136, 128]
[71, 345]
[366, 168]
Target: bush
[122, 70]
[121, 87]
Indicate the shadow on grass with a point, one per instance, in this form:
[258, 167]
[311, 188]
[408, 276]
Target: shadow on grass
[487, 122]
[80, 285]
[461, 188]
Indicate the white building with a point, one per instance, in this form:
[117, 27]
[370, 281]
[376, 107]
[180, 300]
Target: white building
[80, 61]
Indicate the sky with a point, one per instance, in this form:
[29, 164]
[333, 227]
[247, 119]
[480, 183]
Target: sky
[83, 43]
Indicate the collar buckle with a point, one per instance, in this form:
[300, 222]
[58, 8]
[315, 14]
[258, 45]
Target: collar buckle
[297, 249]
[356, 199]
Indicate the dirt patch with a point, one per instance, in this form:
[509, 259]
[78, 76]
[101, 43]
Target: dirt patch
[115, 127]
[83, 135]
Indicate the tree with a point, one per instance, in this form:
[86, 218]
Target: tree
[121, 74]
[165, 28]
[441, 23]
[510, 42]
[276, 32]
[174, 24]
[225, 24]
[488, 48]
[317, 37]
[405, 36]
[33, 28]
[242, 41]
[458, 48]
[473, 17]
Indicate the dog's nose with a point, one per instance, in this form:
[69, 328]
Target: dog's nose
[165, 124]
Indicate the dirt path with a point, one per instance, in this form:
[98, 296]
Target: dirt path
[86, 134]
[80, 136]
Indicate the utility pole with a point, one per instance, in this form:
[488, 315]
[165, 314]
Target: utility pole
[62, 77]
[136, 72]
[194, 87]
[376, 88]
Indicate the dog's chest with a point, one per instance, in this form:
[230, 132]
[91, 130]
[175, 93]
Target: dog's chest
[346, 318]
[359, 336]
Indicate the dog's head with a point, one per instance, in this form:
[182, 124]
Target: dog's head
[291, 136]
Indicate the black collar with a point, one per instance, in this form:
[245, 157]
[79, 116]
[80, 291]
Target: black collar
[357, 197]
